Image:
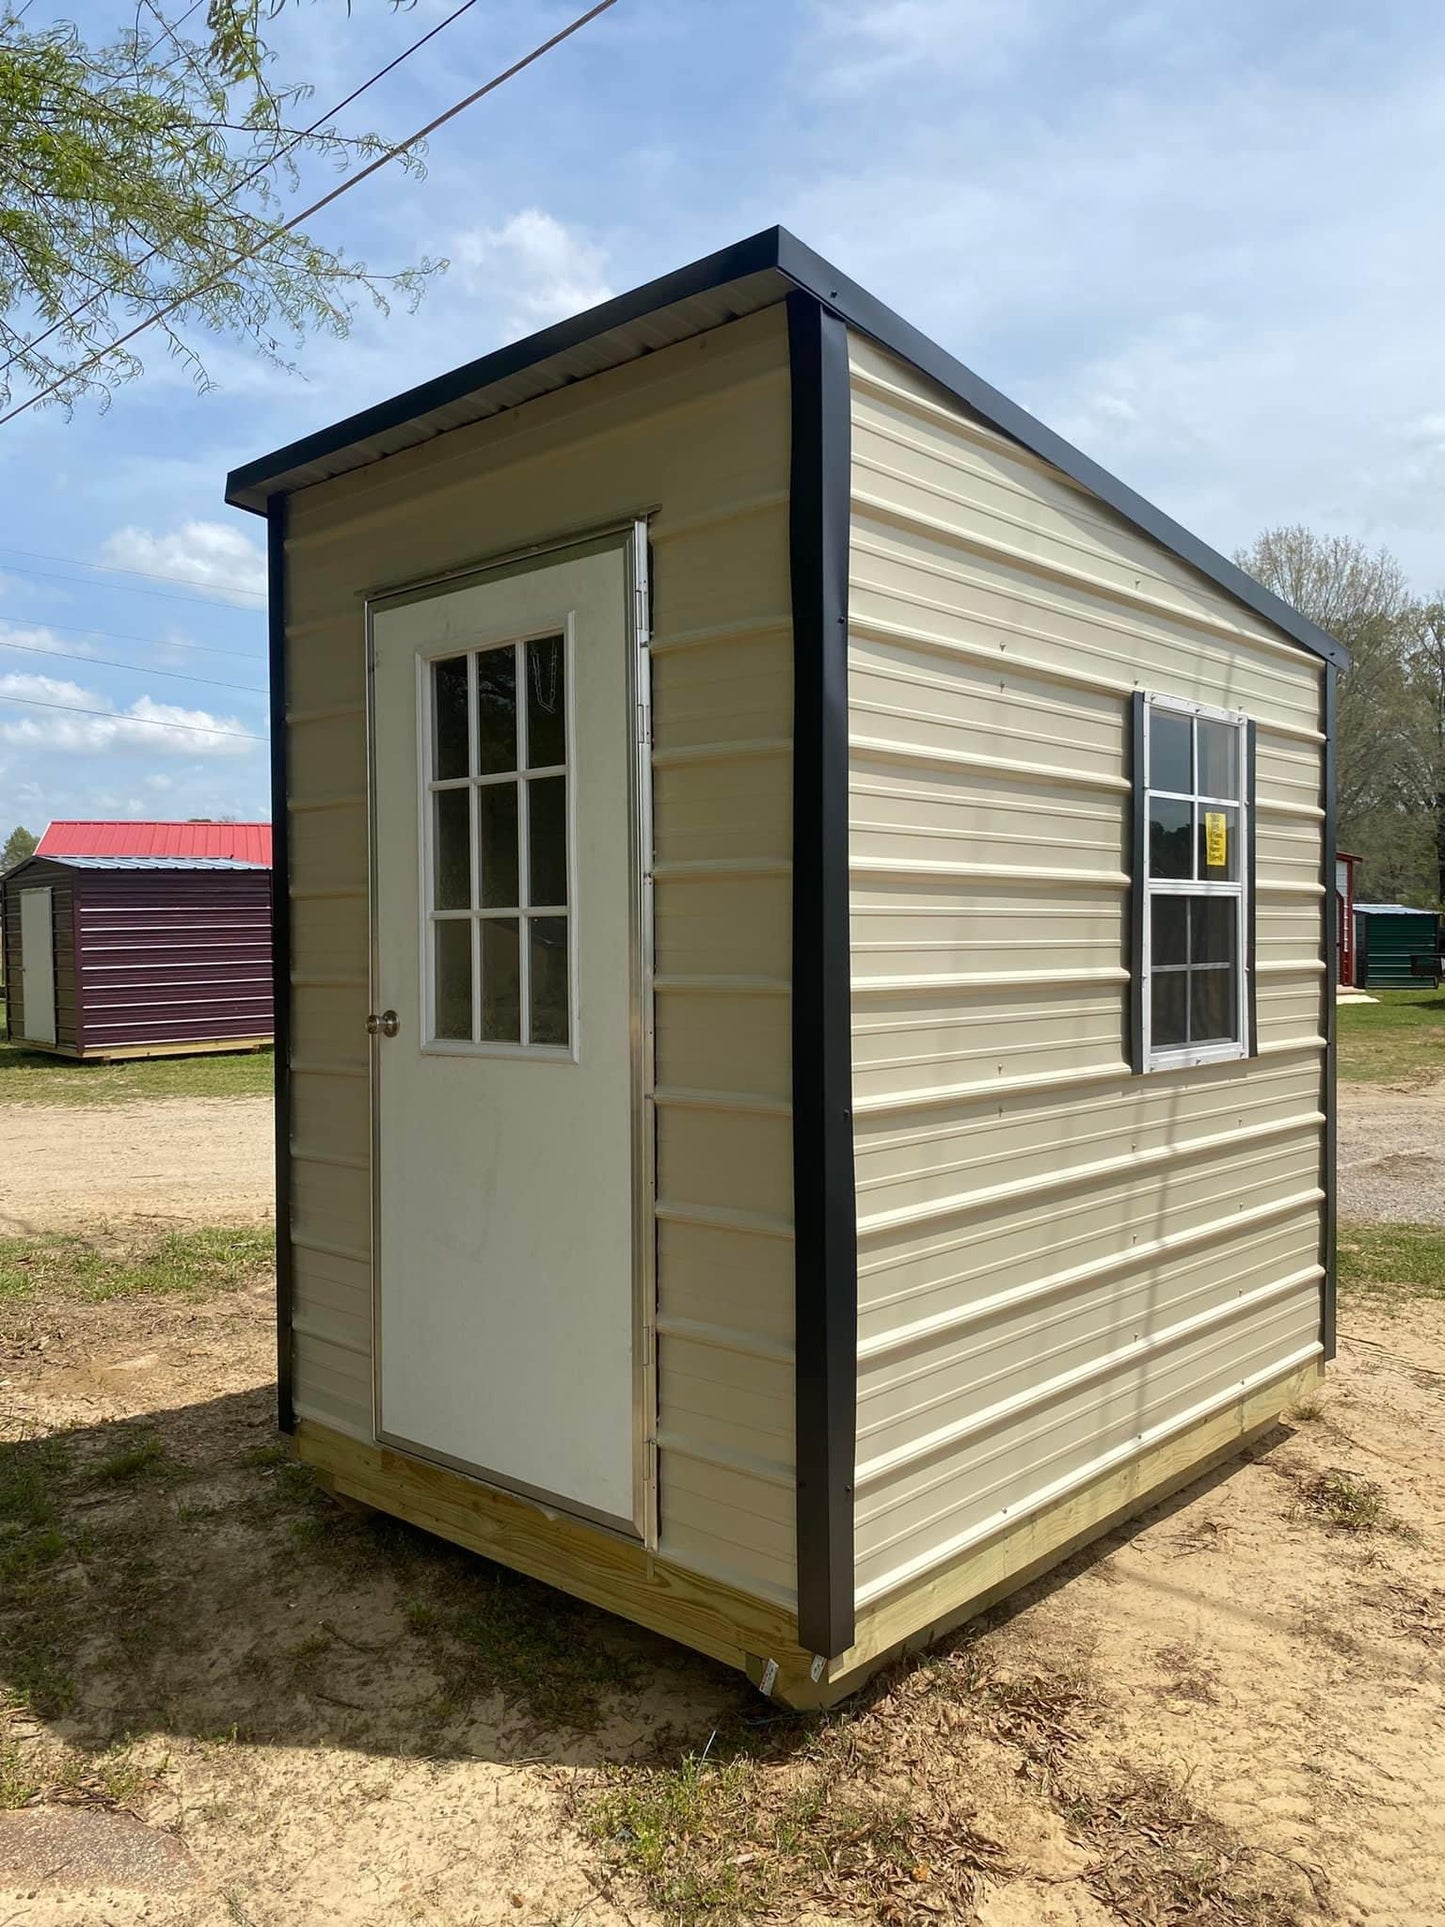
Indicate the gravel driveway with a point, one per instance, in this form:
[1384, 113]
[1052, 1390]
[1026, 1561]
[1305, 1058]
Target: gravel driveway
[1392, 1154]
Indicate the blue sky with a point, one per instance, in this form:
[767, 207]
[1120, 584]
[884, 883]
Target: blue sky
[1202, 242]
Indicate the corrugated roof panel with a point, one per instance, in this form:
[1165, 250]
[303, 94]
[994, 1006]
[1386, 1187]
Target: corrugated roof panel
[246, 843]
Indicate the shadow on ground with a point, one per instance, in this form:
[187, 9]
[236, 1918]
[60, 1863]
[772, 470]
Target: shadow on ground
[179, 1574]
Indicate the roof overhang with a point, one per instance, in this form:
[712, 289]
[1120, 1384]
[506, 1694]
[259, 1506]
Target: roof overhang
[722, 287]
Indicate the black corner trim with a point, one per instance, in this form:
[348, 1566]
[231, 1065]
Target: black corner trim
[1329, 1141]
[1251, 893]
[824, 1199]
[1136, 885]
[280, 954]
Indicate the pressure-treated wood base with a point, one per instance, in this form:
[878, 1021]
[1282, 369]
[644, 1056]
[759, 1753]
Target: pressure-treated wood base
[752, 1634]
[122, 1053]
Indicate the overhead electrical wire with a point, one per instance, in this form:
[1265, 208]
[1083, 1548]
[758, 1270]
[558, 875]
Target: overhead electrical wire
[109, 662]
[245, 181]
[129, 635]
[113, 568]
[354, 180]
[129, 588]
[142, 722]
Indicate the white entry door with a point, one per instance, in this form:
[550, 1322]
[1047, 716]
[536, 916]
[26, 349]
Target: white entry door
[504, 744]
[37, 964]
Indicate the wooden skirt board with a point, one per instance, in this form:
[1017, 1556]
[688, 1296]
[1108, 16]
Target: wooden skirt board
[121, 1053]
[753, 1634]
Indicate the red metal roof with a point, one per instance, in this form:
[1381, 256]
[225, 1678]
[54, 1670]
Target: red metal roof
[240, 842]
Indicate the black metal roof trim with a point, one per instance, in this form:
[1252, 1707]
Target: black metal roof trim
[775, 251]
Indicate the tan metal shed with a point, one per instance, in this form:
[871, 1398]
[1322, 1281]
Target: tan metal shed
[804, 1004]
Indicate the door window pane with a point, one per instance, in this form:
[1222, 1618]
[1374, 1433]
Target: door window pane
[1218, 844]
[450, 752]
[497, 710]
[547, 842]
[1212, 1012]
[452, 852]
[1170, 762]
[1169, 1016]
[1170, 829]
[1171, 930]
[497, 834]
[501, 982]
[453, 989]
[549, 984]
[1218, 759]
[546, 704]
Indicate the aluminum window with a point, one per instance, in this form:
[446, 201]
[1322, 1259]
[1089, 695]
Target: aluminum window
[497, 848]
[1194, 909]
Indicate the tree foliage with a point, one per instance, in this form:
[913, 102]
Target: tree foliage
[134, 174]
[18, 845]
[1390, 741]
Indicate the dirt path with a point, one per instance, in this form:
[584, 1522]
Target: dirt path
[1392, 1154]
[341, 1722]
[171, 1161]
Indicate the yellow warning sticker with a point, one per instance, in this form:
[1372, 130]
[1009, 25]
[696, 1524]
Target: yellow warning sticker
[1216, 839]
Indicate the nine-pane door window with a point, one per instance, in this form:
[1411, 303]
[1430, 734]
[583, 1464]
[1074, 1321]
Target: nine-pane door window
[1195, 884]
[498, 910]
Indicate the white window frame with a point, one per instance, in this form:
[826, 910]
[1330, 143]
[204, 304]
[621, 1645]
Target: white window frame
[428, 785]
[1239, 889]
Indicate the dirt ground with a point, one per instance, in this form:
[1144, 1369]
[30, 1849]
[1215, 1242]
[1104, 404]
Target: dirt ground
[179, 1161]
[331, 1720]
[1392, 1154]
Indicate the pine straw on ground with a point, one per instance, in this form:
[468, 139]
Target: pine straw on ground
[871, 1814]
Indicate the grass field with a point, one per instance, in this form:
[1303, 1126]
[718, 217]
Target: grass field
[34, 1077]
[197, 1264]
[1399, 1040]
[1394, 1261]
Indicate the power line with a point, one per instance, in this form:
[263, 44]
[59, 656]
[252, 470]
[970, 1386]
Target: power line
[141, 722]
[127, 635]
[108, 662]
[111, 568]
[261, 167]
[355, 180]
[126, 588]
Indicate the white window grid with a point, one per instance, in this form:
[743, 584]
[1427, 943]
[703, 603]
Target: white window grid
[1235, 889]
[524, 912]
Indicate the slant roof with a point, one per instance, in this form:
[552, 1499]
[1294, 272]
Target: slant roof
[248, 843]
[737, 280]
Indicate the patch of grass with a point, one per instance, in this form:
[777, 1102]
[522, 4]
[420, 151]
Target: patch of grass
[1392, 1260]
[146, 1457]
[1399, 1040]
[197, 1264]
[35, 1077]
[1346, 1501]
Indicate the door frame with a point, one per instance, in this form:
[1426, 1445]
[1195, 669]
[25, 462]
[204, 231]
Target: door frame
[47, 891]
[630, 535]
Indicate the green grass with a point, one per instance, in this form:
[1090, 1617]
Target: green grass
[197, 1264]
[35, 1077]
[1399, 1040]
[1398, 1261]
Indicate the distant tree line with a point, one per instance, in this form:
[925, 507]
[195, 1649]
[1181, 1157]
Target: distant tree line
[18, 845]
[1390, 746]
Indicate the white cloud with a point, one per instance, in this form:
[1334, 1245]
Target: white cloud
[533, 269]
[213, 555]
[858, 41]
[27, 637]
[160, 728]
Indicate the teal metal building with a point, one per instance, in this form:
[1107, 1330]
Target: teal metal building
[1396, 948]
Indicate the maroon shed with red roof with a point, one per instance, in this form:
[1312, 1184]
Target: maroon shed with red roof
[139, 955]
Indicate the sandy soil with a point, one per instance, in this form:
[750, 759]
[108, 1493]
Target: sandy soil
[173, 1161]
[1392, 1154]
[321, 1727]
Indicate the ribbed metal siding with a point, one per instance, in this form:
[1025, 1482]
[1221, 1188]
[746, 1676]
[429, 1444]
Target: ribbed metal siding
[1059, 1261]
[1387, 942]
[172, 957]
[701, 430]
